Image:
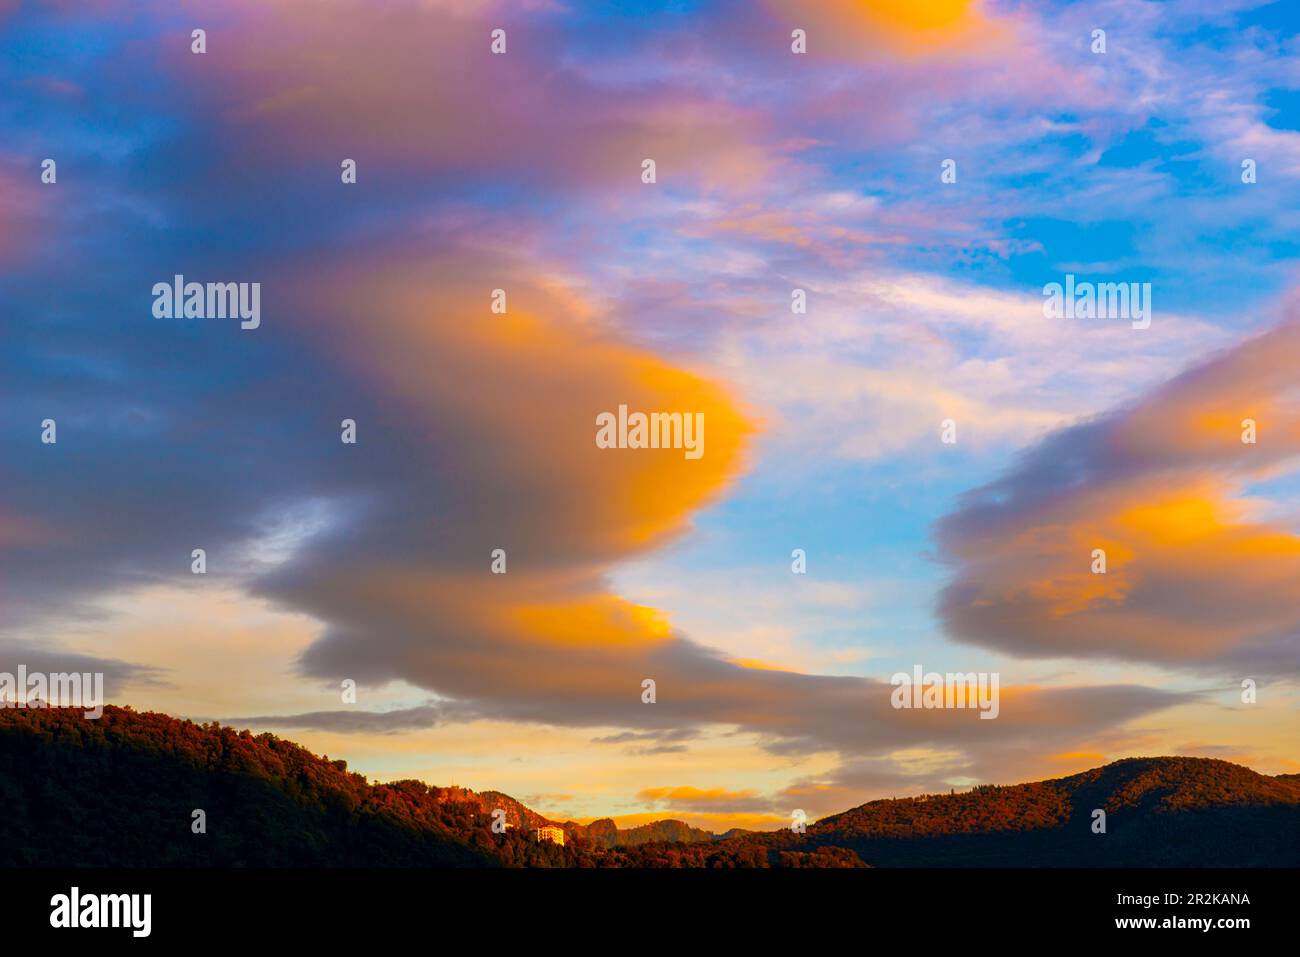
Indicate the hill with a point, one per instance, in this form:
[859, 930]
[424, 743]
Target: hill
[606, 833]
[123, 791]
[1160, 812]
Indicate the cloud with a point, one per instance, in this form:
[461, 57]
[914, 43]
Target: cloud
[476, 431]
[648, 743]
[485, 440]
[22, 219]
[350, 721]
[415, 88]
[50, 658]
[1197, 576]
[848, 28]
[708, 800]
[882, 358]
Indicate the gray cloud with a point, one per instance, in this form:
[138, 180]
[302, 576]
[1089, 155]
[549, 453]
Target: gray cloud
[120, 677]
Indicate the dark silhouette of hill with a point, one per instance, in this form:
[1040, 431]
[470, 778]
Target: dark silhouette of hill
[1160, 812]
[606, 833]
[121, 791]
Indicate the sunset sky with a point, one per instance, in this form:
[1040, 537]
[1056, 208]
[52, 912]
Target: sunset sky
[775, 171]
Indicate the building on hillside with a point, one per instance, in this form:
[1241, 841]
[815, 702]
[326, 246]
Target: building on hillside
[550, 832]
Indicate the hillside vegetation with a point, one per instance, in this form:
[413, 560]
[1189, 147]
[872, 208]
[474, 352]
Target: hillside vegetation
[123, 791]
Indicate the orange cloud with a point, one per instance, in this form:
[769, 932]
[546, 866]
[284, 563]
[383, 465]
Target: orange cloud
[490, 442]
[484, 437]
[1194, 576]
[695, 797]
[911, 27]
[518, 395]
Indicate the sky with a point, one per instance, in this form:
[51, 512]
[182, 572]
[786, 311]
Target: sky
[774, 171]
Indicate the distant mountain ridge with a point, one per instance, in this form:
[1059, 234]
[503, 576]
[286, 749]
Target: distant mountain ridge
[603, 832]
[607, 834]
[130, 788]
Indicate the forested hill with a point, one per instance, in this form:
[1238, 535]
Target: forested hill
[1166, 811]
[124, 790]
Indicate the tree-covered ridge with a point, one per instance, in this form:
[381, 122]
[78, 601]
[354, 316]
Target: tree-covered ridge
[608, 834]
[1180, 784]
[1163, 811]
[122, 791]
[1154, 785]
